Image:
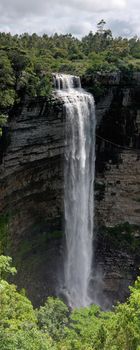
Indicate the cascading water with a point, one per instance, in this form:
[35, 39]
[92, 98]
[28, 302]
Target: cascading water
[78, 187]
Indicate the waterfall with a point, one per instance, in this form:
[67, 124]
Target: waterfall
[79, 167]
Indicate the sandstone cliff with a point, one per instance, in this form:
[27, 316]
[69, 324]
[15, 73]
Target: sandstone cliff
[31, 189]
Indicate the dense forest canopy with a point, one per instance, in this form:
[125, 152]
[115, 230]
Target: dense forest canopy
[27, 61]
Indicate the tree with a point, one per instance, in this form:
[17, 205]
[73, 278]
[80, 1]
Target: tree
[18, 323]
[53, 317]
[91, 329]
[5, 266]
[100, 26]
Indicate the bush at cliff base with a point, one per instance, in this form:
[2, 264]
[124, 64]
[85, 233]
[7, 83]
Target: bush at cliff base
[54, 327]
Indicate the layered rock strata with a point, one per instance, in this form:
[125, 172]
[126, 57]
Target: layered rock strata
[31, 190]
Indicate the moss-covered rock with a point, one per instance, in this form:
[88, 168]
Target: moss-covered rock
[124, 236]
[4, 220]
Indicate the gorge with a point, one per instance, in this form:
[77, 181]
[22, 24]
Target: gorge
[32, 192]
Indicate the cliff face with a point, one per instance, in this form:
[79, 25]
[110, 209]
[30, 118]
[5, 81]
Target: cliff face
[31, 180]
[31, 177]
[118, 191]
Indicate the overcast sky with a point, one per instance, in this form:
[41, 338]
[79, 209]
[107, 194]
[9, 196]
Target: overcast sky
[74, 16]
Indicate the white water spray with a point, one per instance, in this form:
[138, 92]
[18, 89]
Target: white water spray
[78, 187]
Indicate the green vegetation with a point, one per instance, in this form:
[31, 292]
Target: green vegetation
[26, 66]
[27, 61]
[37, 242]
[53, 317]
[18, 323]
[124, 236]
[54, 327]
[3, 233]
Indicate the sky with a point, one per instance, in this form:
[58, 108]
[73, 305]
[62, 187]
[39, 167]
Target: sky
[77, 17]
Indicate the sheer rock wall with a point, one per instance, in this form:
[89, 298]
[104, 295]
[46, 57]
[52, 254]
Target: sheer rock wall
[31, 190]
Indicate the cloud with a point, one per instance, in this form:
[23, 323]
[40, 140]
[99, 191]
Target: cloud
[123, 28]
[75, 16]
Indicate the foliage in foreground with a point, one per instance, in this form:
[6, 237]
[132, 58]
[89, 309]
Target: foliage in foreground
[53, 327]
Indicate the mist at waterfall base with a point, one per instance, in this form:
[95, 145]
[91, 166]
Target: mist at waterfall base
[79, 169]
